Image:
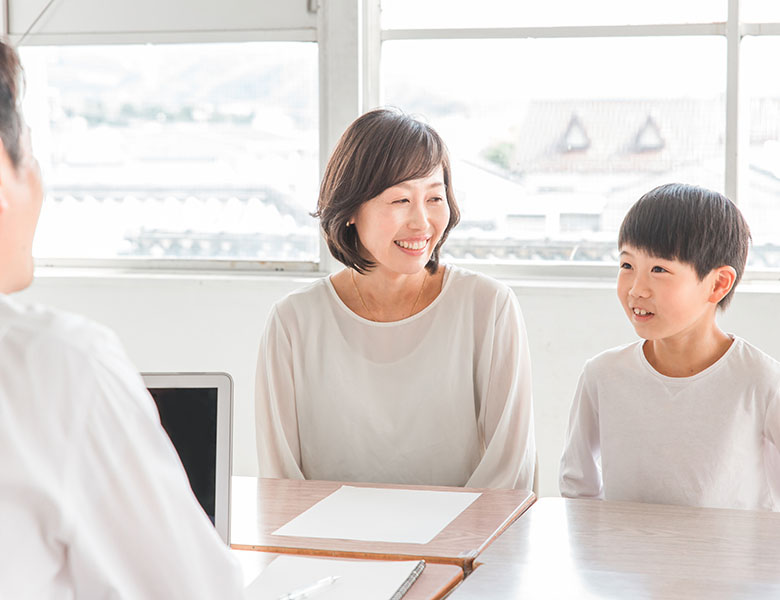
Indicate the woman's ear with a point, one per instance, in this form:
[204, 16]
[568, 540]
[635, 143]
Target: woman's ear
[725, 277]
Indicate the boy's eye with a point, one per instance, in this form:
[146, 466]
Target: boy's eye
[625, 265]
[657, 269]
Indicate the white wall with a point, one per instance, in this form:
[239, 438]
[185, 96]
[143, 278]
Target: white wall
[214, 322]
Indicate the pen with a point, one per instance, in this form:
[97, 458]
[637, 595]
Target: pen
[305, 592]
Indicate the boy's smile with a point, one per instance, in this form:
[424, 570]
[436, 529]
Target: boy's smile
[641, 315]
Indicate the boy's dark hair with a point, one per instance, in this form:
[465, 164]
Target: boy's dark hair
[10, 113]
[382, 148]
[691, 224]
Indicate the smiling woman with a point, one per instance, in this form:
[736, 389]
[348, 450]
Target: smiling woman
[395, 369]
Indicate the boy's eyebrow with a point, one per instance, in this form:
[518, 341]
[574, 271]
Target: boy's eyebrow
[626, 252]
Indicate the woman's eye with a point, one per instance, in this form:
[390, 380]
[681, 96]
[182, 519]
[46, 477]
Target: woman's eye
[400, 201]
[658, 269]
[437, 199]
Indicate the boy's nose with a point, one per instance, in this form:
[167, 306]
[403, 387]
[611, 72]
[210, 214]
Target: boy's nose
[639, 288]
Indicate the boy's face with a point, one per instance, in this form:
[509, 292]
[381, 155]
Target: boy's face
[663, 298]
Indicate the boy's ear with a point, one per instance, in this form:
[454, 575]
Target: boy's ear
[725, 277]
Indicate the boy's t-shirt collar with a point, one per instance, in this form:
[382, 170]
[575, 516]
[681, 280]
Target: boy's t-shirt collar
[638, 349]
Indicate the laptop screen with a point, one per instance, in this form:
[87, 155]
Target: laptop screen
[189, 416]
[196, 412]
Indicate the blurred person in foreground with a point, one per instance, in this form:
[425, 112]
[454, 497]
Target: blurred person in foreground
[94, 502]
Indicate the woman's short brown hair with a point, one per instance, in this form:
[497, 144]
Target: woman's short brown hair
[382, 148]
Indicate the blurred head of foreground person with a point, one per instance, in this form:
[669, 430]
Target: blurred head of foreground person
[21, 192]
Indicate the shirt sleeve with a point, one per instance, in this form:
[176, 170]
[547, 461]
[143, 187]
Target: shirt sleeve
[505, 411]
[133, 527]
[580, 470]
[278, 443]
[772, 427]
[772, 459]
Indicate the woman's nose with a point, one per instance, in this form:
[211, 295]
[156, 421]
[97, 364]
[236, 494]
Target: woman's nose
[418, 219]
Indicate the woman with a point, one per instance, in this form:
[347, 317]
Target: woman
[395, 369]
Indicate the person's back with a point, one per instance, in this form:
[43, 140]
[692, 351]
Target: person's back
[688, 415]
[94, 502]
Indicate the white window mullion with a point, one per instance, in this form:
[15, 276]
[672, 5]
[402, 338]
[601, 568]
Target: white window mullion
[581, 31]
[736, 113]
[4, 18]
[372, 49]
[341, 86]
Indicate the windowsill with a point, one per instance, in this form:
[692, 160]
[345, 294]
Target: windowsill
[535, 276]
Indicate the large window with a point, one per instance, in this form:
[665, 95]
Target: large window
[760, 198]
[559, 115]
[199, 131]
[176, 151]
[554, 139]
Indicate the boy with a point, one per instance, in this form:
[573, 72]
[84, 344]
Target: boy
[688, 415]
[94, 502]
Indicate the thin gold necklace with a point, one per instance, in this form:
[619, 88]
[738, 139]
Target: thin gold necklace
[370, 313]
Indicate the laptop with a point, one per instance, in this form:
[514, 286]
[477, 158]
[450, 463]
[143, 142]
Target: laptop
[196, 410]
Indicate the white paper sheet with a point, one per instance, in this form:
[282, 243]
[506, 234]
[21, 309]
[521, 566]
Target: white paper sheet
[358, 579]
[380, 515]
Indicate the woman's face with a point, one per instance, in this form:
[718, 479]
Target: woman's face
[400, 227]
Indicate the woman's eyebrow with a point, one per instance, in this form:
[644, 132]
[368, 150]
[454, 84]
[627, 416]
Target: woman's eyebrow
[407, 185]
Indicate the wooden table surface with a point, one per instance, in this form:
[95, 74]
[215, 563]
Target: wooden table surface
[591, 549]
[434, 583]
[261, 506]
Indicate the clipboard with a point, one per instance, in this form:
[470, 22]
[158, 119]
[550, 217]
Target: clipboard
[355, 579]
[401, 591]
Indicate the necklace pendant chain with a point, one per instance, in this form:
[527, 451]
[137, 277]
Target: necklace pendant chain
[370, 313]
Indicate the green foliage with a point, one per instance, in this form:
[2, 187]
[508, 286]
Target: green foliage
[500, 154]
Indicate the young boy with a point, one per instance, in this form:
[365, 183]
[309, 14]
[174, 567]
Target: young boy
[688, 415]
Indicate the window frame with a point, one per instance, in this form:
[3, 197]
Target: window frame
[737, 119]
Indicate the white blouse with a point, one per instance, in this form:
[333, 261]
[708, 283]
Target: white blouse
[440, 398]
[94, 502]
[707, 440]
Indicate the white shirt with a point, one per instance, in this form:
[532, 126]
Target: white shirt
[440, 398]
[707, 440]
[94, 502]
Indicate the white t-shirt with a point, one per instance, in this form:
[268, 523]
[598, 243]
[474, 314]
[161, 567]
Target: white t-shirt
[708, 440]
[440, 398]
[94, 502]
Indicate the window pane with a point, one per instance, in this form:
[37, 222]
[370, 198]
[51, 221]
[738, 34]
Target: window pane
[553, 140]
[760, 201]
[756, 11]
[176, 151]
[412, 14]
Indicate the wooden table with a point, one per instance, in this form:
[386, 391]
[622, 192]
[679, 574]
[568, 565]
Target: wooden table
[592, 549]
[434, 583]
[261, 506]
